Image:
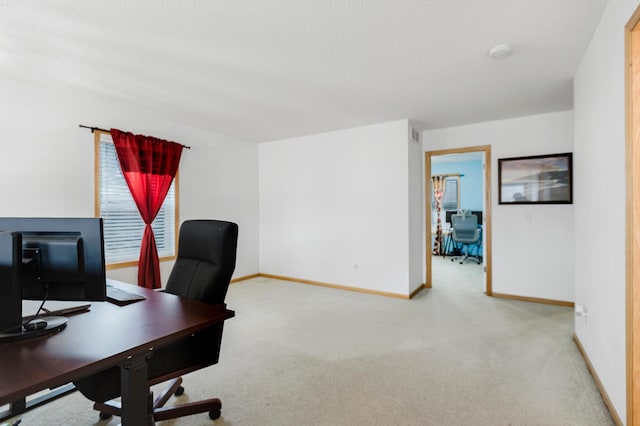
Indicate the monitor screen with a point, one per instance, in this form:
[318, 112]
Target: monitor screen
[62, 258]
[10, 291]
[479, 214]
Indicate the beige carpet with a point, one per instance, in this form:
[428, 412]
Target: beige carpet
[303, 355]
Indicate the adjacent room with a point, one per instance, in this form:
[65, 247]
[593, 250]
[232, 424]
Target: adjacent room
[461, 181]
[373, 156]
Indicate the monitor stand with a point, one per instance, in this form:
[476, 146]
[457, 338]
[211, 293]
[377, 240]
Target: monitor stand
[54, 324]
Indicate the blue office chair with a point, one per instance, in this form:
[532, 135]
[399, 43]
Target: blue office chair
[465, 232]
[202, 271]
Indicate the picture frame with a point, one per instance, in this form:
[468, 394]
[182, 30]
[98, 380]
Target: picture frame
[538, 179]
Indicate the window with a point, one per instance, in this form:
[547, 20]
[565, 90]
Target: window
[123, 226]
[451, 198]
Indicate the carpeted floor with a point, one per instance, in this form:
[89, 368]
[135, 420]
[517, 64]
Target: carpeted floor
[303, 355]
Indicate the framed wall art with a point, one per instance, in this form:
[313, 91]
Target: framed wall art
[540, 179]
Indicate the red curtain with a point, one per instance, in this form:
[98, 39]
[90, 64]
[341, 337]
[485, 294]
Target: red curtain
[149, 166]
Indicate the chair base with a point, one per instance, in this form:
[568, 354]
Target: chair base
[466, 257]
[213, 406]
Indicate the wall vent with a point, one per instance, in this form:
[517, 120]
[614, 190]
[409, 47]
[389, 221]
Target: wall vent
[414, 134]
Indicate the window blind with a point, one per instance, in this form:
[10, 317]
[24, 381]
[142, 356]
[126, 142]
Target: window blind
[450, 199]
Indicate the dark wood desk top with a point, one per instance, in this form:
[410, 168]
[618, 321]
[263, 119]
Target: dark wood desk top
[100, 338]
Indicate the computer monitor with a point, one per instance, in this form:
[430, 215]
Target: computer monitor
[448, 215]
[62, 258]
[479, 214]
[10, 290]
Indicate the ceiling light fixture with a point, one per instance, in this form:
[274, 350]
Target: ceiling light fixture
[500, 51]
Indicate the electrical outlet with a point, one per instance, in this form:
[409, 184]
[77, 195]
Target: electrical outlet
[581, 311]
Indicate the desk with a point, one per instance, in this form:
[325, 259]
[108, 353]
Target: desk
[446, 244]
[448, 241]
[105, 336]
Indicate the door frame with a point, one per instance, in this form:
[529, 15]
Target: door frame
[632, 166]
[486, 214]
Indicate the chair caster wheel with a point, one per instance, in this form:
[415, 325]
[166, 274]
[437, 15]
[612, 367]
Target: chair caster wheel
[104, 416]
[179, 391]
[214, 414]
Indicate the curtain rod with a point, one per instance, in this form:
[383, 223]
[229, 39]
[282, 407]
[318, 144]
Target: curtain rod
[449, 174]
[93, 129]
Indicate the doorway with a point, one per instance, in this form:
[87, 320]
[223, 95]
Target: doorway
[632, 88]
[430, 156]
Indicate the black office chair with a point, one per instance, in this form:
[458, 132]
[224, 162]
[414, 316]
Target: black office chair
[202, 271]
[465, 231]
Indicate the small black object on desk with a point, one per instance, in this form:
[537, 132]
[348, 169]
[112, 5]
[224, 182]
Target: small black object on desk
[39, 327]
[121, 297]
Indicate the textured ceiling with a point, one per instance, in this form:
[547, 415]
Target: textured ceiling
[270, 69]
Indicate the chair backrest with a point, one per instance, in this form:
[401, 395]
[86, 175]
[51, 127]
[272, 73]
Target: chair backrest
[205, 262]
[465, 227]
[204, 265]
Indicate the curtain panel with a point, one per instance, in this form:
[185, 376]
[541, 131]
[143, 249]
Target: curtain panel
[149, 166]
[438, 183]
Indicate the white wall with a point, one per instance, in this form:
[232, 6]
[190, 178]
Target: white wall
[600, 181]
[47, 163]
[530, 258]
[334, 208]
[416, 216]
